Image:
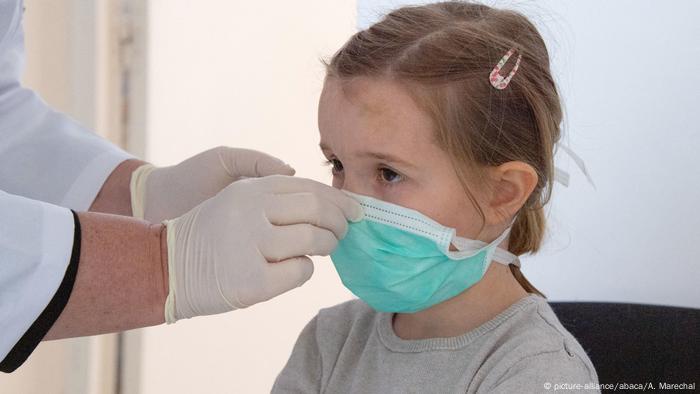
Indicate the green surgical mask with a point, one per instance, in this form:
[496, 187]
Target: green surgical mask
[399, 260]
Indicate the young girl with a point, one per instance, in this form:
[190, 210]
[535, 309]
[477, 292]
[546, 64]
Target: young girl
[441, 120]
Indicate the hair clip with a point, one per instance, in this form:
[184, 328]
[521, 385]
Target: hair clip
[497, 80]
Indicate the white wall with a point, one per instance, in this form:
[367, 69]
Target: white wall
[242, 74]
[628, 72]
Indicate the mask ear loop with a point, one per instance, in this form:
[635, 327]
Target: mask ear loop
[499, 255]
[562, 176]
[471, 247]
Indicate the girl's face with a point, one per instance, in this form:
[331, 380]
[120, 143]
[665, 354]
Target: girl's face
[381, 144]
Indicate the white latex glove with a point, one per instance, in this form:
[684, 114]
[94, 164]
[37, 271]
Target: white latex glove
[250, 243]
[168, 192]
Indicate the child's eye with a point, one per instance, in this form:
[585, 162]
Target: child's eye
[389, 176]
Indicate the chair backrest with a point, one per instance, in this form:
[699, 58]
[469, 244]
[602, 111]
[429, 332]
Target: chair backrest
[636, 343]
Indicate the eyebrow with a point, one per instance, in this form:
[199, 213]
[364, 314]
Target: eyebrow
[377, 155]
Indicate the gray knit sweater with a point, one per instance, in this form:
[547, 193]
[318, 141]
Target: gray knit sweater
[350, 348]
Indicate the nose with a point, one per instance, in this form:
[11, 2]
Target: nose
[355, 185]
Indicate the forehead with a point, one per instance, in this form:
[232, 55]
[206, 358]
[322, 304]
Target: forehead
[371, 110]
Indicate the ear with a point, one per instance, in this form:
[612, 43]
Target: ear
[512, 184]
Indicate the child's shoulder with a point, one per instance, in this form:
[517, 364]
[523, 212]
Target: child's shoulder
[349, 324]
[347, 315]
[538, 334]
[544, 325]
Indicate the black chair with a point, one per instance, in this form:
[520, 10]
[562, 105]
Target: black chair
[636, 343]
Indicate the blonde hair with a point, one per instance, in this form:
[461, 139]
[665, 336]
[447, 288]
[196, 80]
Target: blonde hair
[443, 54]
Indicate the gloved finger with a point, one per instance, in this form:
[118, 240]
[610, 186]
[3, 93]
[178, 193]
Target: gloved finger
[251, 163]
[288, 274]
[300, 208]
[279, 184]
[284, 242]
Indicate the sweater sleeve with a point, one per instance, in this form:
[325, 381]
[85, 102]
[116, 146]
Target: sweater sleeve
[303, 372]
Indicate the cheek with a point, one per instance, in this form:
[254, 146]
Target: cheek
[465, 218]
[446, 202]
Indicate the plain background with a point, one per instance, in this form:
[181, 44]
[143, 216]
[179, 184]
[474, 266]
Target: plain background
[248, 74]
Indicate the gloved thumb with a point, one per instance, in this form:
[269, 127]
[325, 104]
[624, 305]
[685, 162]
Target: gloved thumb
[251, 163]
[288, 274]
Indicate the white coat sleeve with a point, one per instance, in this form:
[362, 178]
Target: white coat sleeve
[38, 266]
[44, 155]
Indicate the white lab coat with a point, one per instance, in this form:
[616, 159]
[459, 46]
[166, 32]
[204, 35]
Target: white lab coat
[46, 161]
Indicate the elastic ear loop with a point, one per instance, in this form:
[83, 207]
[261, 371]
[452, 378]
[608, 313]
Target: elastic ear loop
[562, 176]
[471, 247]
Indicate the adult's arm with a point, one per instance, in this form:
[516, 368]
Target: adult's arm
[114, 196]
[116, 288]
[65, 274]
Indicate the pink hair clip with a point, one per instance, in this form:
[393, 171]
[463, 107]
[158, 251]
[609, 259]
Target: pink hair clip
[497, 80]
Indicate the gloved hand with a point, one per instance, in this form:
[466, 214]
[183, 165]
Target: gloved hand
[168, 192]
[250, 243]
